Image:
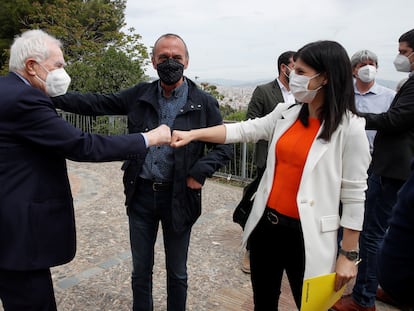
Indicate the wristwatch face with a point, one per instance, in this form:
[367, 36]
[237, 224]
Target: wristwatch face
[351, 255]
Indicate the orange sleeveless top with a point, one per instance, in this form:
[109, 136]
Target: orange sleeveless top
[291, 153]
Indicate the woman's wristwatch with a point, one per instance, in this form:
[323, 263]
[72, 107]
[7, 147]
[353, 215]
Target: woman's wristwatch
[352, 255]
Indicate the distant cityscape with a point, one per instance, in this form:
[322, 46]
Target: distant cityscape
[237, 94]
[237, 97]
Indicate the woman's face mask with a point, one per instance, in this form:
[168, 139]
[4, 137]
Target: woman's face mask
[299, 84]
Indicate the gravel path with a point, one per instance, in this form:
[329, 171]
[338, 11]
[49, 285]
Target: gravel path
[98, 279]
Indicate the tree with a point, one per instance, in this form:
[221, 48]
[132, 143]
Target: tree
[11, 12]
[212, 89]
[115, 69]
[91, 32]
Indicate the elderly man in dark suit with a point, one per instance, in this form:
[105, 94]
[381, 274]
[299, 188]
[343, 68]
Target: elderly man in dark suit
[37, 225]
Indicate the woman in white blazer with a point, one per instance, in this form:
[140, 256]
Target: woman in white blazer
[333, 170]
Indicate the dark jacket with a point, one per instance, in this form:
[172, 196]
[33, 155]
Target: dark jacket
[264, 99]
[394, 141]
[395, 268]
[37, 225]
[140, 104]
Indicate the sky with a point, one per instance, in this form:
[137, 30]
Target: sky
[241, 40]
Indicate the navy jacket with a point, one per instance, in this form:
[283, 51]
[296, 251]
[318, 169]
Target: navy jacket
[396, 254]
[37, 225]
[140, 104]
[394, 141]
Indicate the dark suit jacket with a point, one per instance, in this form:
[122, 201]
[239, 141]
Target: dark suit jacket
[395, 268]
[394, 142]
[264, 99]
[37, 226]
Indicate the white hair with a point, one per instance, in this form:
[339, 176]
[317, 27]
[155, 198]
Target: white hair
[31, 43]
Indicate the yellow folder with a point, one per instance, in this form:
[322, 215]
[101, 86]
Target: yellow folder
[318, 293]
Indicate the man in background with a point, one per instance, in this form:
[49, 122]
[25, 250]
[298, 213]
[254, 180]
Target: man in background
[264, 99]
[369, 95]
[392, 157]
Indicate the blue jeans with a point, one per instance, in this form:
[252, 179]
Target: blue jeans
[381, 197]
[147, 210]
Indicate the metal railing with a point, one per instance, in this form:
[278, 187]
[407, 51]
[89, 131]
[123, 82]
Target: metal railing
[241, 168]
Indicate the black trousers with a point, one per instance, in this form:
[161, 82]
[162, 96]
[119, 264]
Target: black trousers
[27, 290]
[275, 248]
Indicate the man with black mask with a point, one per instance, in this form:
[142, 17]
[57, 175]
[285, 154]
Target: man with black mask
[166, 188]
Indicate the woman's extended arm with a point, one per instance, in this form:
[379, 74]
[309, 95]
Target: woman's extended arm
[214, 134]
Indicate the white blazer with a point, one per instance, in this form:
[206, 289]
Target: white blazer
[334, 171]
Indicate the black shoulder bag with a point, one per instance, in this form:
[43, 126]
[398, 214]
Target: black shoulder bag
[242, 211]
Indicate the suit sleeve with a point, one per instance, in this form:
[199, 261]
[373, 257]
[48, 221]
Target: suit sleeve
[355, 162]
[38, 123]
[400, 115]
[93, 104]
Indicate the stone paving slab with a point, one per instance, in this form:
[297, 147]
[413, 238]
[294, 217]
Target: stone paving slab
[98, 279]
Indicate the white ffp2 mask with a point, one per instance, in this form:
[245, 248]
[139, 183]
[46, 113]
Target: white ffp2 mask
[57, 81]
[367, 73]
[402, 63]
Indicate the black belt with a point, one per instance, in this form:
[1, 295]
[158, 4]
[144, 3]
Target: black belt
[156, 186]
[276, 218]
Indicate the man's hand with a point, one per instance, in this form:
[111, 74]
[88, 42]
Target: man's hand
[193, 184]
[158, 136]
[180, 138]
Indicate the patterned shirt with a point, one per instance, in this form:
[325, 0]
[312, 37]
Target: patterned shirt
[378, 99]
[159, 162]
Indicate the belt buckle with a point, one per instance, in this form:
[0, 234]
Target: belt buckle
[274, 220]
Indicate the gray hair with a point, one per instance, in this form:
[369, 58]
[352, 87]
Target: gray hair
[31, 43]
[362, 56]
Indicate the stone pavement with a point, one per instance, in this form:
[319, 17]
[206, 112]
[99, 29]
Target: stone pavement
[98, 279]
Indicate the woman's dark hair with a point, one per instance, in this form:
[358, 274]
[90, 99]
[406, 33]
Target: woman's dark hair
[331, 59]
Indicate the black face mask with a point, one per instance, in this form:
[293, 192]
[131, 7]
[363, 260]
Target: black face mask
[170, 71]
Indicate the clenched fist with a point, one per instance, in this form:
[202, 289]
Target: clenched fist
[180, 138]
[159, 136]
